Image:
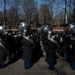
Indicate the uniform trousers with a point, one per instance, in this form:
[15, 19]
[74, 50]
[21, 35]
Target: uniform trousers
[1, 64]
[27, 64]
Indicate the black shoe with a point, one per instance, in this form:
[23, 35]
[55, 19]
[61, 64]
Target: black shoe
[51, 68]
[25, 68]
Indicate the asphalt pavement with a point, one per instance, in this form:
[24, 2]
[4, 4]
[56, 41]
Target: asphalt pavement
[39, 68]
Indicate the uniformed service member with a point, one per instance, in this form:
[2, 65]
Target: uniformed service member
[72, 45]
[49, 45]
[27, 45]
[3, 50]
[10, 43]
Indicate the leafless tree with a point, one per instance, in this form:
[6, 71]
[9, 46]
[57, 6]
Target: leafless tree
[1, 17]
[30, 9]
[49, 4]
[12, 12]
[44, 13]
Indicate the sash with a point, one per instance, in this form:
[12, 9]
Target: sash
[29, 39]
[55, 42]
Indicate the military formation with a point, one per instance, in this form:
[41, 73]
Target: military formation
[31, 44]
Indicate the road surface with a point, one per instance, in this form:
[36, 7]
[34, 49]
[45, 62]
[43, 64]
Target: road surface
[39, 68]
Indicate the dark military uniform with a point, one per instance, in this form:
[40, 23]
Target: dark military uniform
[2, 57]
[27, 52]
[65, 46]
[43, 38]
[71, 29]
[50, 49]
[10, 44]
[72, 43]
[38, 46]
[37, 52]
[62, 44]
[27, 44]
[3, 52]
[18, 45]
[57, 38]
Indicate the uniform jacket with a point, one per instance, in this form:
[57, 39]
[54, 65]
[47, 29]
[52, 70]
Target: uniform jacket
[27, 49]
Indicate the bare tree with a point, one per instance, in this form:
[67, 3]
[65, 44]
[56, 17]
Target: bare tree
[50, 11]
[44, 13]
[1, 17]
[12, 13]
[30, 9]
[50, 4]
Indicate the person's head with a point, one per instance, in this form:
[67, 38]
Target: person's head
[47, 29]
[2, 33]
[71, 28]
[2, 30]
[10, 32]
[24, 28]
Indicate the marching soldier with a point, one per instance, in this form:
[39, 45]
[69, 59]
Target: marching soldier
[37, 52]
[72, 45]
[3, 50]
[65, 45]
[10, 43]
[27, 45]
[50, 46]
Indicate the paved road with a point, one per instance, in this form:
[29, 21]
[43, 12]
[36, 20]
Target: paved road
[39, 68]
